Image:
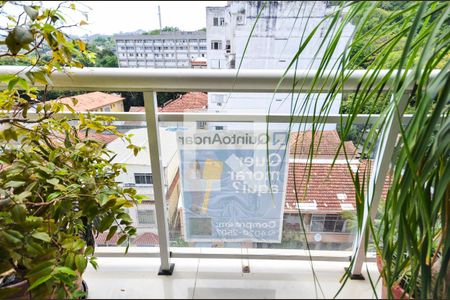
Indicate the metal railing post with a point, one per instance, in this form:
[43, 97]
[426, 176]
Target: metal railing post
[380, 170]
[151, 104]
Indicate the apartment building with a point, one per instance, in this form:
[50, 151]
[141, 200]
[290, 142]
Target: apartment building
[182, 49]
[280, 28]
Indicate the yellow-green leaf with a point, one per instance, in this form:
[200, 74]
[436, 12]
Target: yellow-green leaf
[80, 262]
[39, 282]
[53, 181]
[43, 236]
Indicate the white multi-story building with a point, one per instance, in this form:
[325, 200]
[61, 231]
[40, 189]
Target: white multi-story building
[165, 50]
[280, 30]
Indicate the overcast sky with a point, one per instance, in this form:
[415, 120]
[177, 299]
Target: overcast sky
[108, 17]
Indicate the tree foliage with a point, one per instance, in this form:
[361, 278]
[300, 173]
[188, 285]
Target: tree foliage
[164, 29]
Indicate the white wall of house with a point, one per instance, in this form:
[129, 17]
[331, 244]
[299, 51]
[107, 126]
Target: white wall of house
[140, 164]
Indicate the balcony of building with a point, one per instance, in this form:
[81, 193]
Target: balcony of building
[164, 263]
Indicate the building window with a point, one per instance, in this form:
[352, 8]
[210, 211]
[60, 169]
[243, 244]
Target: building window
[146, 216]
[201, 124]
[240, 20]
[216, 45]
[143, 178]
[327, 223]
[219, 127]
[218, 99]
[218, 21]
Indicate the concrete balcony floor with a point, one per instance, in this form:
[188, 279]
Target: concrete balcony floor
[194, 278]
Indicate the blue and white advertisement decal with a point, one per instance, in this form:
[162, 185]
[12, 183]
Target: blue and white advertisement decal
[228, 194]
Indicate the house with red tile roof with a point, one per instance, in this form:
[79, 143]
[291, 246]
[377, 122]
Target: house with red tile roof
[95, 101]
[323, 144]
[192, 101]
[147, 239]
[189, 102]
[100, 137]
[322, 189]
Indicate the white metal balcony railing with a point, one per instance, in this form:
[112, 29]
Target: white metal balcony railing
[150, 81]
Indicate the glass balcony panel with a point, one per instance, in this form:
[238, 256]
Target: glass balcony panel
[316, 212]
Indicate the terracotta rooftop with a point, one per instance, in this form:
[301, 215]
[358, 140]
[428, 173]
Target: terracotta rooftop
[324, 184]
[101, 137]
[193, 101]
[198, 63]
[137, 109]
[100, 240]
[91, 101]
[330, 189]
[326, 145]
[146, 239]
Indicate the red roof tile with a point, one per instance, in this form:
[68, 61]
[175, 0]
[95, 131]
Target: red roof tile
[137, 109]
[326, 145]
[321, 189]
[193, 101]
[101, 137]
[146, 239]
[91, 101]
[100, 240]
[330, 189]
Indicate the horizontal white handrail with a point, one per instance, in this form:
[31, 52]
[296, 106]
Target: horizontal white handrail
[227, 117]
[271, 118]
[230, 253]
[208, 80]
